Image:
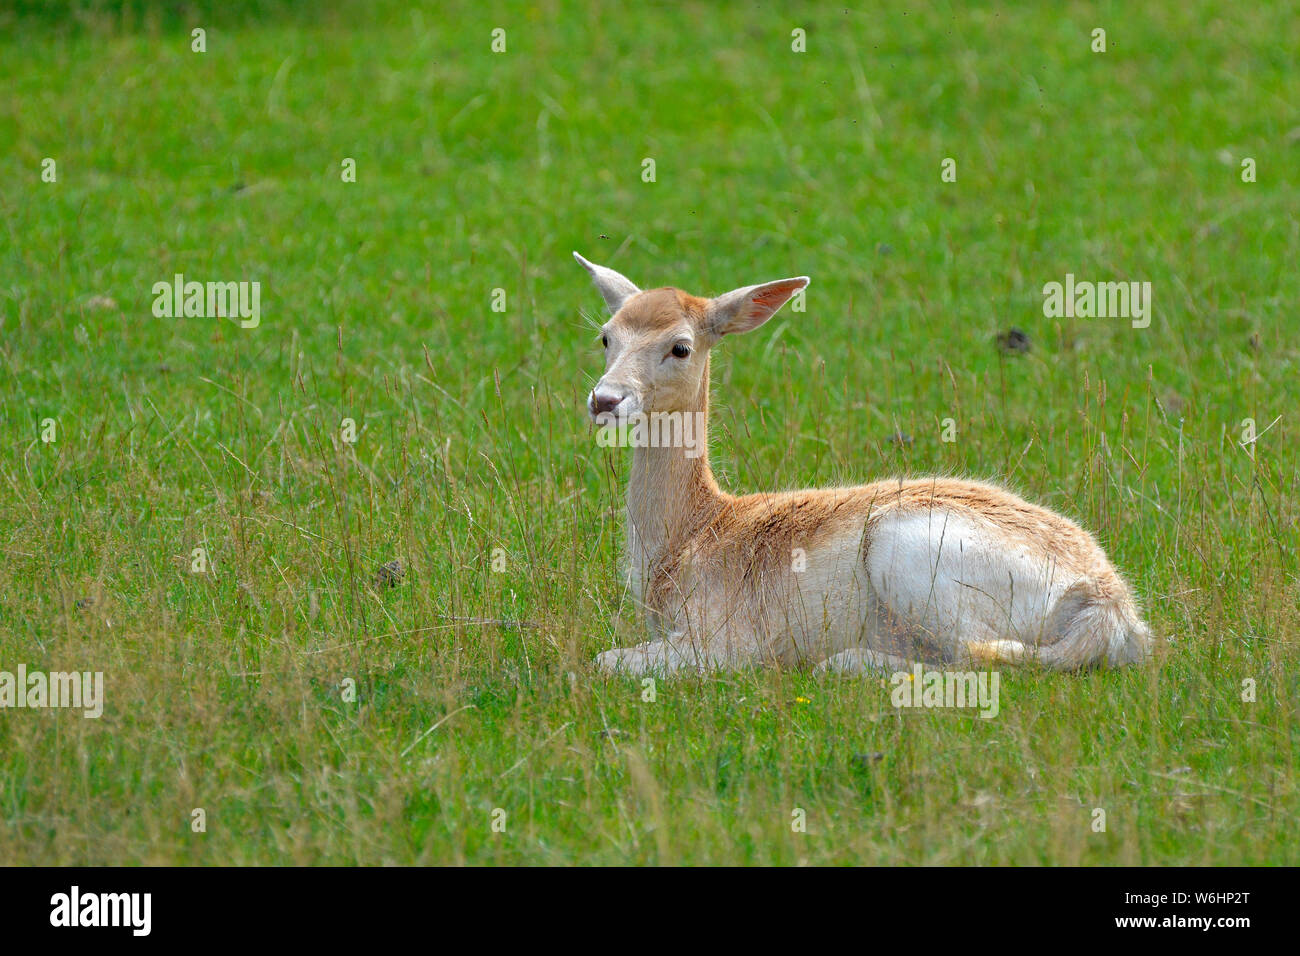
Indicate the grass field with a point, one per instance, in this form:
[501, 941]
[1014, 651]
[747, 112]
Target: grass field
[474, 465]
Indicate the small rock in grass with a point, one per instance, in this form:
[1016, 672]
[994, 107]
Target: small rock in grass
[1014, 342]
[390, 575]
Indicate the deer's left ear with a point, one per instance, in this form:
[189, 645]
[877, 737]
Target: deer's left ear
[741, 310]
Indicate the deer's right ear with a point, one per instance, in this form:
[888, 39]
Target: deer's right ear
[614, 287]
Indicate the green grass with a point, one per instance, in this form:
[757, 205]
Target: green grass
[480, 171]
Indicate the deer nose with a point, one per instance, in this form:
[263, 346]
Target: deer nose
[602, 403]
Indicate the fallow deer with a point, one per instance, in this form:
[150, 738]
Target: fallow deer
[875, 576]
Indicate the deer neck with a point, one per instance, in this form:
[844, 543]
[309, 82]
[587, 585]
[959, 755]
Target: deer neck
[671, 490]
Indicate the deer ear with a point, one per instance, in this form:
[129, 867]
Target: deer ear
[741, 310]
[615, 287]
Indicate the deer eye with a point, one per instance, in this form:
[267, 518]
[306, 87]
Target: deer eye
[604, 341]
[681, 350]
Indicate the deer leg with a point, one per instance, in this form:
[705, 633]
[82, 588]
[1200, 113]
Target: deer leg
[861, 660]
[680, 653]
[654, 657]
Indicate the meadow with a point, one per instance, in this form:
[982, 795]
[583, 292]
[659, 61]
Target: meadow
[205, 512]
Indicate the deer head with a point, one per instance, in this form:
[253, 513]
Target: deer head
[657, 342]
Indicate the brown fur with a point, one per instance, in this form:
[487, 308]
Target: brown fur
[661, 310]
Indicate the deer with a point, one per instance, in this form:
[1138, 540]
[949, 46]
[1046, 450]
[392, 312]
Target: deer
[874, 577]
